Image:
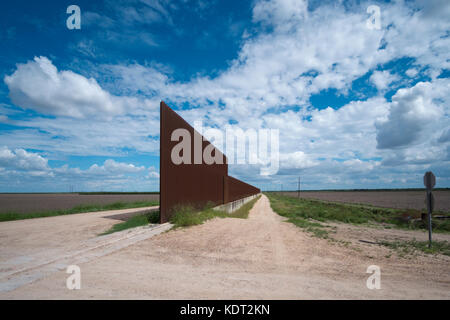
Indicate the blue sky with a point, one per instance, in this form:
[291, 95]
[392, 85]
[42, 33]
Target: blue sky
[356, 107]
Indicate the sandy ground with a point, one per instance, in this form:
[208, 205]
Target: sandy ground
[387, 199]
[262, 257]
[32, 249]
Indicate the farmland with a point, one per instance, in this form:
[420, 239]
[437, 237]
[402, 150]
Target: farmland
[32, 202]
[38, 202]
[386, 199]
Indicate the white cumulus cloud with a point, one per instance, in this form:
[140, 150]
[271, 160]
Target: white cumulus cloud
[20, 159]
[382, 79]
[412, 111]
[38, 85]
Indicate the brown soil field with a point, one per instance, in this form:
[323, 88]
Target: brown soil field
[33, 202]
[386, 199]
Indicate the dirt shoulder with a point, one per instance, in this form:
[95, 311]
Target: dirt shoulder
[262, 257]
[33, 248]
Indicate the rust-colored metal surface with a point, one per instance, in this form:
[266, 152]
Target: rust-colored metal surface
[236, 189]
[192, 184]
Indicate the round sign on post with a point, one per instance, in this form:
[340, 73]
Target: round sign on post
[429, 180]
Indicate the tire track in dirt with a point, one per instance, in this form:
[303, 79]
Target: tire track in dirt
[262, 213]
[33, 249]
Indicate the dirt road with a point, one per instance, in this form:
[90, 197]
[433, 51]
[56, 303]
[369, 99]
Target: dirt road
[32, 249]
[261, 257]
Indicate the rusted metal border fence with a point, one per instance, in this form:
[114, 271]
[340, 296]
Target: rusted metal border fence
[193, 184]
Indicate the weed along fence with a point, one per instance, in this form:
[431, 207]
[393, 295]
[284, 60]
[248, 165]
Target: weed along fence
[235, 205]
[186, 176]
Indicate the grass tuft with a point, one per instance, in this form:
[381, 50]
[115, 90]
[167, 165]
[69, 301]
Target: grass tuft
[136, 221]
[408, 247]
[185, 216]
[317, 229]
[242, 212]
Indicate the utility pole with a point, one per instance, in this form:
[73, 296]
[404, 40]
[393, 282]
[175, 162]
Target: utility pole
[298, 187]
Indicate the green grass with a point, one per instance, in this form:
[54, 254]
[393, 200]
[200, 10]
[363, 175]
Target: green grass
[185, 216]
[319, 230]
[412, 246]
[301, 211]
[361, 190]
[136, 221]
[9, 216]
[242, 212]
